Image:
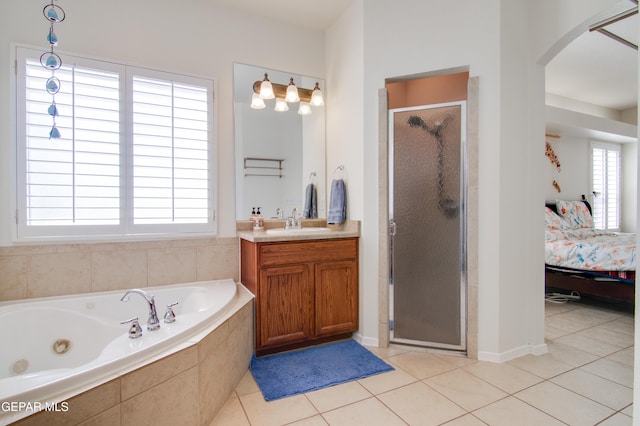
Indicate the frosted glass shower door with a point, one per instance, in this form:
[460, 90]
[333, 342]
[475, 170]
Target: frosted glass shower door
[427, 162]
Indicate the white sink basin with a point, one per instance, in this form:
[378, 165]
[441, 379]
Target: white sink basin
[309, 230]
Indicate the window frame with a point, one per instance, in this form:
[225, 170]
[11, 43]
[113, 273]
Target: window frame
[126, 229]
[608, 146]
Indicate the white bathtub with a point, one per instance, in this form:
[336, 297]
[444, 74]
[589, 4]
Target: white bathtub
[32, 372]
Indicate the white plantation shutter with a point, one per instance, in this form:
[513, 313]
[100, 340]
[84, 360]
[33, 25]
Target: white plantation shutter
[170, 152]
[605, 177]
[134, 154]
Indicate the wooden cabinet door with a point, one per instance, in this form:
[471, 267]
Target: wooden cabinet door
[285, 306]
[336, 296]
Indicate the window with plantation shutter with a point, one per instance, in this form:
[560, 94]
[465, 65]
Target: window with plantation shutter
[170, 152]
[134, 156]
[605, 181]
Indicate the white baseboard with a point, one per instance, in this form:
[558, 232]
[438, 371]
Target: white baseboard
[513, 353]
[365, 341]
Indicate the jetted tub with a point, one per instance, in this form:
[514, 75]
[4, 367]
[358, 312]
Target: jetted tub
[55, 347]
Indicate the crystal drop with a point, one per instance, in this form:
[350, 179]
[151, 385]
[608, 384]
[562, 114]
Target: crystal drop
[52, 15]
[54, 133]
[51, 62]
[52, 86]
[53, 110]
[52, 38]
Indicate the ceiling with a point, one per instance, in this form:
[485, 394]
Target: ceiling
[314, 14]
[594, 68]
[597, 69]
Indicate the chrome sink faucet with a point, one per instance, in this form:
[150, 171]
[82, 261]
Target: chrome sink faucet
[153, 323]
[293, 222]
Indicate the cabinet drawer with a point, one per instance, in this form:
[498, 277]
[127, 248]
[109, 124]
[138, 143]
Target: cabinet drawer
[308, 251]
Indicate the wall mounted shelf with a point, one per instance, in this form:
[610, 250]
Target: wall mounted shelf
[257, 166]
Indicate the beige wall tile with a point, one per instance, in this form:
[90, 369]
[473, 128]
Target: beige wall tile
[27, 250]
[218, 262]
[213, 341]
[13, 277]
[224, 362]
[215, 382]
[81, 407]
[157, 372]
[58, 269]
[111, 417]
[113, 270]
[163, 402]
[59, 273]
[171, 266]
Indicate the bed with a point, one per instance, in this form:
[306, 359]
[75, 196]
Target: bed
[583, 259]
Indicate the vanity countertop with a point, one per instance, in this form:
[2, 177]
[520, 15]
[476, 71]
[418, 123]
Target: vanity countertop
[350, 228]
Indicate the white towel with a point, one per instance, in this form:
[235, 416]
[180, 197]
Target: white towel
[337, 203]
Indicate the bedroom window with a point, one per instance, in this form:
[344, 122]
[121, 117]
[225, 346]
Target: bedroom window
[134, 157]
[605, 185]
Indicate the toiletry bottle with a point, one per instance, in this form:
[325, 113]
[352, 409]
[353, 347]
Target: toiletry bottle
[258, 221]
[253, 213]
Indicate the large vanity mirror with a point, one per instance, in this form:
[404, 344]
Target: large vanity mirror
[278, 154]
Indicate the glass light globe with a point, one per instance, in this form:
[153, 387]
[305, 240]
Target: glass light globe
[257, 102]
[281, 105]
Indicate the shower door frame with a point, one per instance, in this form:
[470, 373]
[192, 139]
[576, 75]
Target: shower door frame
[462, 347]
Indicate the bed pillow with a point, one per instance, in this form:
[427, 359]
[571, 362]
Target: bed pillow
[553, 221]
[575, 213]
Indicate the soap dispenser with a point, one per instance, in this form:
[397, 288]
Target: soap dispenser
[258, 221]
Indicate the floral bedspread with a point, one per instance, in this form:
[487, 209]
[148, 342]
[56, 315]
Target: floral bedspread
[590, 249]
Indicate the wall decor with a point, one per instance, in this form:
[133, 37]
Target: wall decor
[550, 152]
[50, 60]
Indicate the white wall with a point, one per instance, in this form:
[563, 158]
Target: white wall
[629, 187]
[573, 154]
[200, 38]
[346, 144]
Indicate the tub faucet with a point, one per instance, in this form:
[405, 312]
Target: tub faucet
[153, 323]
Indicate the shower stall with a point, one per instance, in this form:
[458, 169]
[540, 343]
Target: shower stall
[427, 225]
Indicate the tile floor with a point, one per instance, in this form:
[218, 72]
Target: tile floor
[585, 379]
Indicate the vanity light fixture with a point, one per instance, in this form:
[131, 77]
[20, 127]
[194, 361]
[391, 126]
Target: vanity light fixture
[289, 93]
[292, 92]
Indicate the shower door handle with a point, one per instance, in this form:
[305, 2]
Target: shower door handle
[392, 228]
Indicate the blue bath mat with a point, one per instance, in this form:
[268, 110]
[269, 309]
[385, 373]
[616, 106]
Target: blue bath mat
[293, 373]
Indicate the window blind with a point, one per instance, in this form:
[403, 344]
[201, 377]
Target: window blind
[606, 185]
[170, 152]
[74, 180]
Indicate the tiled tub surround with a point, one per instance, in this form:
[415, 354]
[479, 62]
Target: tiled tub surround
[58, 269]
[189, 383]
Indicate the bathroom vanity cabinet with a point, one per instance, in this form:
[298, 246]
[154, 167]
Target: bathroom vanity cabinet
[306, 292]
